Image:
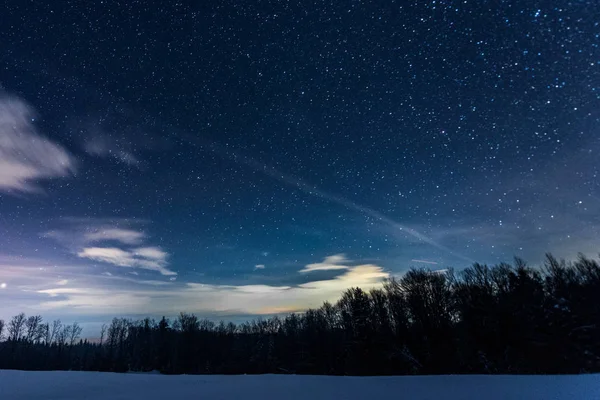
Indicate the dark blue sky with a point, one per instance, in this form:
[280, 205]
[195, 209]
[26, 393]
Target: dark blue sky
[235, 158]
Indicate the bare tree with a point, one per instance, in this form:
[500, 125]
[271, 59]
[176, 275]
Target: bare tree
[16, 327]
[63, 335]
[54, 331]
[187, 323]
[1, 328]
[44, 331]
[102, 333]
[32, 328]
[74, 333]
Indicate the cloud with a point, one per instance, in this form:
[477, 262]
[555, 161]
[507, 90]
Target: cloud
[79, 232]
[440, 271]
[150, 258]
[259, 266]
[100, 240]
[365, 276]
[154, 253]
[83, 291]
[328, 264]
[27, 279]
[424, 261]
[86, 300]
[26, 156]
[125, 236]
[155, 283]
[96, 299]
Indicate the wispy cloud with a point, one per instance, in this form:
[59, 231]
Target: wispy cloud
[27, 278]
[329, 263]
[424, 261]
[259, 266]
[207, 298]
[365, 276]
[150, 258]
[119, 243]
[125, 236]
[90, 300]
[440, 271]
[82, 291]
[78, 232]
[25, 155]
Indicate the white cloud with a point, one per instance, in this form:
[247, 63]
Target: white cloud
[206, 298]
[153, 283]
[125, 236]
[259, 266]
[26, 278]
[110, 255]
[329, 263]
[364, 276]
[87, 300]
[151, 253]
[91, 294]
[25, 155]
[87, 239]
[209, 298]
[260, 289]
[440, 271]
[424, 261]
[78, 232]
[150, 258]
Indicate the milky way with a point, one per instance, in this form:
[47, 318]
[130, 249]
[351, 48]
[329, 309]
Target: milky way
[241, 158]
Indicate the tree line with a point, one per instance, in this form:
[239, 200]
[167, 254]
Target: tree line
[502, 319]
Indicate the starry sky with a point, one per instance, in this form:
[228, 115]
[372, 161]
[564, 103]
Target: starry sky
[244, 158]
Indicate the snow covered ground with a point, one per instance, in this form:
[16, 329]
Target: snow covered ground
[54, 385]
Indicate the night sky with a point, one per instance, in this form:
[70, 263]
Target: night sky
[239, 158]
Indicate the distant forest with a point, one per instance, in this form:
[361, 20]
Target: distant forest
[504, 319]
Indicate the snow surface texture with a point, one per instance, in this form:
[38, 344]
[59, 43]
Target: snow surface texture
[55, 385]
